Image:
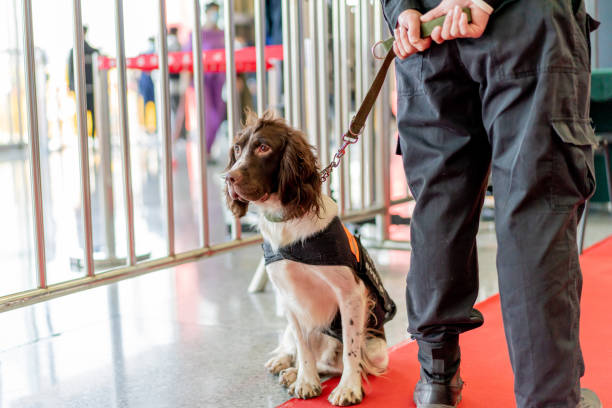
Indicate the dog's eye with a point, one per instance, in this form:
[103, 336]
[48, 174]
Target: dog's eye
[237, 150]
[263, 148]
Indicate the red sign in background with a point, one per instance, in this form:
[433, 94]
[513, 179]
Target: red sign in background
[212, 60]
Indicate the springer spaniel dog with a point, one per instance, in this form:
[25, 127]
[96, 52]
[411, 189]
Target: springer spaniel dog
[332, 295]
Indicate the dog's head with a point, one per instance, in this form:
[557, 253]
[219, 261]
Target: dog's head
[270, 158]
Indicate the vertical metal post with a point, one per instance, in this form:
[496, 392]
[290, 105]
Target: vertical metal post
[258, 283]
[198, 82]
[383, 153]
[313, 78]
[105, 179]
[366, 77]
[360, 68]
[32, 107]
[165, 123]
[260, 278]
[260, 45]
[345, 167]
[230, 86]
[12, 75]
[275, 84]
[323, 83]
[233, 114]
[125, 133]
[17, 73]
[297, 63]
[79, 78]
[338, 95]
[357, 38]
[287, 63]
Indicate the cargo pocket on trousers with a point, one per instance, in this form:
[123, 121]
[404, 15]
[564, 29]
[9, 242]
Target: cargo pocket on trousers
[573, 174]
[408, 74]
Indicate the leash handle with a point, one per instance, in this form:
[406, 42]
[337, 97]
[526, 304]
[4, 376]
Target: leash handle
[428, 27]
[426, 30]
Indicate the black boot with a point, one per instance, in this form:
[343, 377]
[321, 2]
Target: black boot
[440, 384]
[429, 394]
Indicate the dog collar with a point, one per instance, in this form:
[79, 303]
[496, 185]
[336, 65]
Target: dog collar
[274, 217]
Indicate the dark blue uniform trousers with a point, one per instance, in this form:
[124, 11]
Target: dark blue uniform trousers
[513, 104]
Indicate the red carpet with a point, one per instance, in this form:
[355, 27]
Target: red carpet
[485, 365]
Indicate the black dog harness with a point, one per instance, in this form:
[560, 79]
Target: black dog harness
[335, 245]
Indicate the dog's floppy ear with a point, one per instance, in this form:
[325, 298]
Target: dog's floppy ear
[299, 184]
[239, 208]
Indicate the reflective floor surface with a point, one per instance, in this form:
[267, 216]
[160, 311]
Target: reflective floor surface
[185, 337]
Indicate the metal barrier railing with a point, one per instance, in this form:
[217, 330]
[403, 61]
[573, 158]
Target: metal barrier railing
[326, 71]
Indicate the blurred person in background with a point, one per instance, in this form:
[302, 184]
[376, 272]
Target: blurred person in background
[177, 113]
[174, 45]
[274, 22]
[89, 85]
[146, 92]
[215, 107]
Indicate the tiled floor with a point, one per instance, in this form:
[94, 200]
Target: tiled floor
[186, 337]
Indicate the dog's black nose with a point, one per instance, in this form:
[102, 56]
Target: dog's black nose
[233, 177]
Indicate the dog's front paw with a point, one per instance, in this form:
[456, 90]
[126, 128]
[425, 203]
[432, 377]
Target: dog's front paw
[304, 389]
[287, 376]
[344, 395]
[278, 363]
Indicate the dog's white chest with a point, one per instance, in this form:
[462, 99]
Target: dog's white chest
[304, 289]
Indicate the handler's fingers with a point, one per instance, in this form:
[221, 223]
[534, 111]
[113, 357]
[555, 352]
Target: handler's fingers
[432, 14]
[399, 53]
[456, 14]
[406, 52]
[419, 43]
[436, 35]
[406, 44]
[463, 25]
[414, 34]
[422, 44]
[425, 43]
[397, 45]
[446, 26]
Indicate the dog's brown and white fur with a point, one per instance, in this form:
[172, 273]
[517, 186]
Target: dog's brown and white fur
[273, 167]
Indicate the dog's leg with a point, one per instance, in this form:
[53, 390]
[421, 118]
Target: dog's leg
[307, 384]
[353, 306]
[284, 354]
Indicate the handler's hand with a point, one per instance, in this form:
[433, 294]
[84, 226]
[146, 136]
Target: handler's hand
[456, 22]
[408, 35]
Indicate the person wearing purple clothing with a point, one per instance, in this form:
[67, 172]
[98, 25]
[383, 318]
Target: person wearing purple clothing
[215, 107]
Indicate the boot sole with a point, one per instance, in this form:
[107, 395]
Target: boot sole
[438, 405]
